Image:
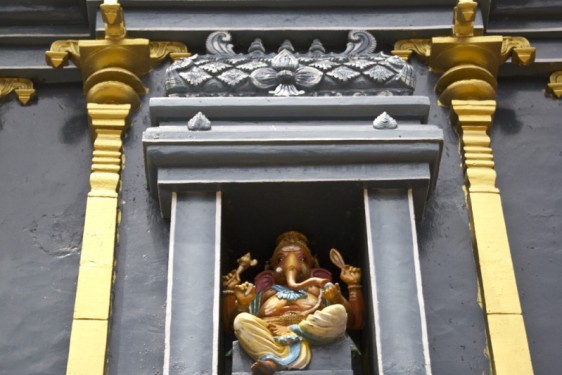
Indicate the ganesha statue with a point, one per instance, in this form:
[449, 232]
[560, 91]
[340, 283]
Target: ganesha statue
[293, 306]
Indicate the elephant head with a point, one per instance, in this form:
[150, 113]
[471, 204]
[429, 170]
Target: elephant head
[293, 262]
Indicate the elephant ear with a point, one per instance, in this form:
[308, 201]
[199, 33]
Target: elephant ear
[337, 259]
[264, 280]
[322, 273]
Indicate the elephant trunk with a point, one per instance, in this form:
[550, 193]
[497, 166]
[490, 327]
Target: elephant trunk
[291, 275]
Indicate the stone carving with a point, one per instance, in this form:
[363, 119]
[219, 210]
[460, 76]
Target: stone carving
[199, 122]
[385, 121]
[292, 306]
[356, 71]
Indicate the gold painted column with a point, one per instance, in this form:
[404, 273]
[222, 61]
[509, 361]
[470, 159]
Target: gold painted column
[506, 331]
[468, 85]
[111, 68]
[90, 326]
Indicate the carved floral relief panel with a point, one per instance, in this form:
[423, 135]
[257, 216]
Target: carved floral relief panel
[356, 71]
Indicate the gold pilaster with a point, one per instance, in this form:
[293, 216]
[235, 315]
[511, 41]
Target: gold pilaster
[110, 68]
[468, 84]
[88, 341]
[22, 87]
[506, 331]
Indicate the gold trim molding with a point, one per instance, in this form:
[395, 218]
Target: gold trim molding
[22, 87]
[110, 69]
[555, 84]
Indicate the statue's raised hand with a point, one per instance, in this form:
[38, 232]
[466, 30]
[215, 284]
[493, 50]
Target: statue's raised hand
[230, 280]
[244, 293]
[349, 274]
[332, 293]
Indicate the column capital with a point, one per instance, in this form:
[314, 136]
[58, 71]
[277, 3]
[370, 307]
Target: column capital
[469, 63]
[111, 66]
[473, 112]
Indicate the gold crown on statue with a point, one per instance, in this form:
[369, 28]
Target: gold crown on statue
[292, 237]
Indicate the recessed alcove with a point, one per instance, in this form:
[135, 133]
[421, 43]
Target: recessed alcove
[331, 215]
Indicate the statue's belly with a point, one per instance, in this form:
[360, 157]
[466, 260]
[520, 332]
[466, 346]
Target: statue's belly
[275, 306]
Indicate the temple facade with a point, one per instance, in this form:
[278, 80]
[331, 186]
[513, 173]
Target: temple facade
[146, 146]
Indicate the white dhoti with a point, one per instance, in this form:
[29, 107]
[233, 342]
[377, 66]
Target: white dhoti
[290, 351]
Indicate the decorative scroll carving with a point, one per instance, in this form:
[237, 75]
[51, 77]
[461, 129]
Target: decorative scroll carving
[160, 50]
[357, 70]
[360, 43]
[199, 122]
[555, 84]
[385, 121]
[22, 87]
[519, 49]
[218, 44]
[61, 51]
[405, 48]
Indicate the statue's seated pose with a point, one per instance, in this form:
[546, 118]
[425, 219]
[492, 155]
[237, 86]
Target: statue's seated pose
[276, 326]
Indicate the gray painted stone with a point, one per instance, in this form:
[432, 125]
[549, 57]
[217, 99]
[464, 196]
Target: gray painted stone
[179, 159]
[42, 202]
[413, 109]
[399, 323]
[193, 284]
[192, 26]
[29, 62]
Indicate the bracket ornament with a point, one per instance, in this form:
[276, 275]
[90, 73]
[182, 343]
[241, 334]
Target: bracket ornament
[356, 71]
[555, 84]
[22, 87]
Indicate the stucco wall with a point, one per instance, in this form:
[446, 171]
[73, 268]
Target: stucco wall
[44, 167]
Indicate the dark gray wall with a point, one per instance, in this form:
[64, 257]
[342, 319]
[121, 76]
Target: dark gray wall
[44, 169]
[455, 321]
[137, 330]
[526, 139]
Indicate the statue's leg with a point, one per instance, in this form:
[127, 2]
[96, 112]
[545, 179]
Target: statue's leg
[324, 326]
[258, 342]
